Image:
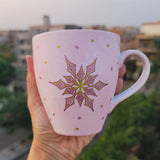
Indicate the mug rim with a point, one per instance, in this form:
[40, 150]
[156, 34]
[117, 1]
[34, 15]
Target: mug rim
[74, 30]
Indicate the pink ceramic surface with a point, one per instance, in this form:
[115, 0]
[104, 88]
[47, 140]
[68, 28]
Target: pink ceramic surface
[76, 73]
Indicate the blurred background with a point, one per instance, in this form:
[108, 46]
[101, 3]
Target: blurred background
[132, 131]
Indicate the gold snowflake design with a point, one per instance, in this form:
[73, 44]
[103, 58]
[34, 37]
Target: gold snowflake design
[80, 86]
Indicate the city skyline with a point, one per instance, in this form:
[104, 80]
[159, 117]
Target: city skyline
[17, 14]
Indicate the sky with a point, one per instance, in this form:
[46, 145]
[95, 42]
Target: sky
[20, 14]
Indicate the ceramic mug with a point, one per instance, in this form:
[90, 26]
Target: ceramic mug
[76, 73]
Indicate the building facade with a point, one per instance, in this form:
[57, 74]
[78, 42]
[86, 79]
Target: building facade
[151, 28]
[9, 38]
[20, 42]
[146, 40]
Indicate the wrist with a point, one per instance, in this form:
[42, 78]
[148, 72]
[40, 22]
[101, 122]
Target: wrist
[39, 152]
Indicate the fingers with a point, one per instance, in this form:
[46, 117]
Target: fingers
[122, 71]
[33, 95]
[119, 86]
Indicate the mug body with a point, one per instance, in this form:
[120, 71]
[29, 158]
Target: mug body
[76, 73]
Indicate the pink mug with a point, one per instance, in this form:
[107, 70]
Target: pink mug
[76, 73]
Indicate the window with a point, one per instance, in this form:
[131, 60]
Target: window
[22, 51]
[23, 61]
[145, 44]
[21, 41]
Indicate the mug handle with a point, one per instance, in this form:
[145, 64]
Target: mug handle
[139, 83]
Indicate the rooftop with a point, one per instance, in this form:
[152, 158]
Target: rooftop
[152, 23]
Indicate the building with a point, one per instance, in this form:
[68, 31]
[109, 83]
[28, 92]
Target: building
[23, 43]
[151, 28]
[20, 41]
[97, 27]
[23, 47]
[9, 38]
[47, 26]
[146, 40]
[147, 45]
[126, 33]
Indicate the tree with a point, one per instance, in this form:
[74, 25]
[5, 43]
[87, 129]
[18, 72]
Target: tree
[154, 78]
[155, 68]
[14, 112]
[156, 42]
[131, 69]
[7, 71]
[133, 133]
[13, 104]
[6, 52]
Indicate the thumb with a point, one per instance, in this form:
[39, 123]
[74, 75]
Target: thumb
[34, 100]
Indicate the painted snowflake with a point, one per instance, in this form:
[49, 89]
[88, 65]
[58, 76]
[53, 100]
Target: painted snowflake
[79, 85]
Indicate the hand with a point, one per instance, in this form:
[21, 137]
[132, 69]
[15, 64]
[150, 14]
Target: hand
[47, 144]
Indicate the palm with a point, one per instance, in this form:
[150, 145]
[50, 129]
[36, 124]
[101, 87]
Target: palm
[44, 132]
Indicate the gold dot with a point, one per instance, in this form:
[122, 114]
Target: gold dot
[45, 62]
[58, 46]
[53, 114]
[77, 129]
[44, 98]
[107, 45]
[92, 40]
[102, 106]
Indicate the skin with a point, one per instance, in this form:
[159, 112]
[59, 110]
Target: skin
[47, 144]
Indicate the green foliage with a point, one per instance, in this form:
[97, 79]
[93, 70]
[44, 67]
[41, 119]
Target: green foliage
[4, 48]
[156, 42]
[11, 57]
[131, 69]
[155, 68]
[4, 92]
[7, 53]
[13, 105]
[14, 112]
[7, 71]
[133, 133]
[154, 78]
